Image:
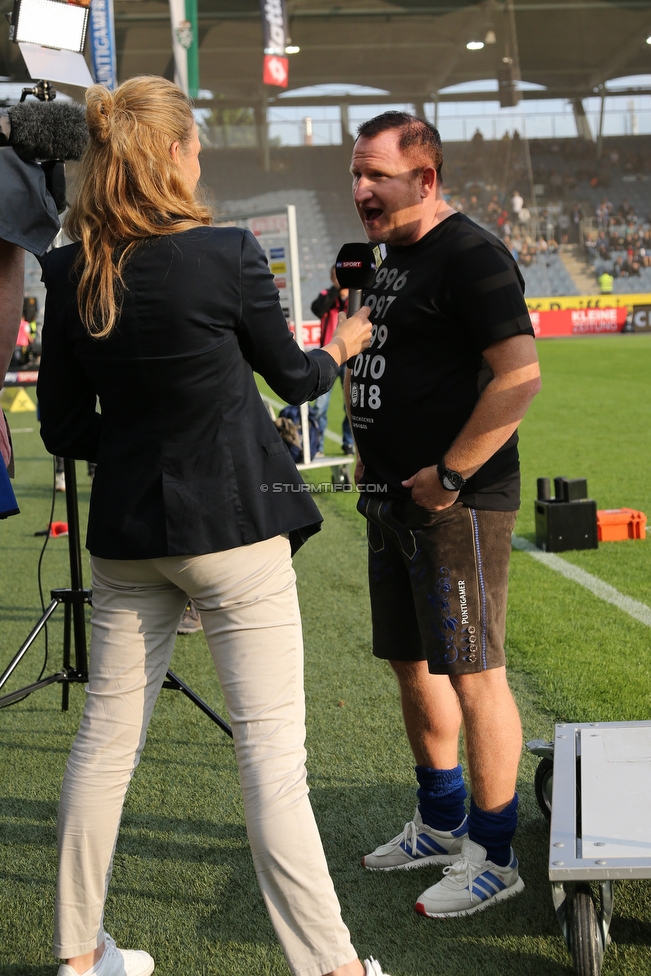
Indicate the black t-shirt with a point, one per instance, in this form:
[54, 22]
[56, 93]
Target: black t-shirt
[436, 305]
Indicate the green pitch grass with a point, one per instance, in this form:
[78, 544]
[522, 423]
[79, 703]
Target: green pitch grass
[183, 885]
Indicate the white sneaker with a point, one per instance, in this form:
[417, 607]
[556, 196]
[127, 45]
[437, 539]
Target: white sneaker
[470, 884]
[373, 968]
[416, 846]
[116, 962]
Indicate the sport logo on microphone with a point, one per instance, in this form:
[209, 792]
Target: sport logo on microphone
[355, 266]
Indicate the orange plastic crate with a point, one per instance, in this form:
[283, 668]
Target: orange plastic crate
[614, 524]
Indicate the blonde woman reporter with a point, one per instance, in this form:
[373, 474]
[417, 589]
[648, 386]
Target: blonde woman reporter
[165, 318]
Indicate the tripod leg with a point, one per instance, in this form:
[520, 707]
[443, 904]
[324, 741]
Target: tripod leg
[74, 599]
[28, 643]
[65, 687]
[74, 555]
[176, 684]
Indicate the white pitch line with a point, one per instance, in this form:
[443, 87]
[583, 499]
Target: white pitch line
[639, 611]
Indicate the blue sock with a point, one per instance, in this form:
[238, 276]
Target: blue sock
[494, 831]
[440, 797]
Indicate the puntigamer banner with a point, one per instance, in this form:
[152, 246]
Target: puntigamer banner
[102, 43]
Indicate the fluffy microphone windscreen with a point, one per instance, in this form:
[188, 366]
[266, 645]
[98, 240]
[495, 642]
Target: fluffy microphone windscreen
[48, 130]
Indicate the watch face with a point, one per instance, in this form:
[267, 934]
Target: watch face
[451, 480]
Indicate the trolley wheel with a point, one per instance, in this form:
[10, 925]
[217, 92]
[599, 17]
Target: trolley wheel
[585, 939]
[543, 785]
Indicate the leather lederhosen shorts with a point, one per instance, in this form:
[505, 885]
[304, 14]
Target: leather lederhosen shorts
[438, 584]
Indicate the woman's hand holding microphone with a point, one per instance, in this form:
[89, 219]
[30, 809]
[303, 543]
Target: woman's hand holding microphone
[351, 336]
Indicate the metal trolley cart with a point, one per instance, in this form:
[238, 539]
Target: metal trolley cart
[594, 783]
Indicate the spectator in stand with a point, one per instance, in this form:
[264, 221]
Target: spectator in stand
[602, 247]
[327, 306]
[517, 203]
[604, 212]
[626, 210]
[547, 224]
[575, 222]
[512, 247]
[563, 228]
[493, 210]
[619, 269]
[526, 255]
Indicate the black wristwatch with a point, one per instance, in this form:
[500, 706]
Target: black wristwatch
[451, 480]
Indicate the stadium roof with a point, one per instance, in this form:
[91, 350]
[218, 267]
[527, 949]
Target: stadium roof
[409, 49]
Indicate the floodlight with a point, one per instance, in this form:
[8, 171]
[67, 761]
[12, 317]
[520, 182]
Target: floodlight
[475, 45]
[50, 23]
[292, 49]
[648, 40]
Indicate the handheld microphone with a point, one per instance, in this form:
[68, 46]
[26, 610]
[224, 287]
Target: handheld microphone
[46, 130]
[355, 268]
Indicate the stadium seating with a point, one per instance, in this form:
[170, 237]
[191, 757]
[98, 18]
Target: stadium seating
[316, 180]
[548, 276]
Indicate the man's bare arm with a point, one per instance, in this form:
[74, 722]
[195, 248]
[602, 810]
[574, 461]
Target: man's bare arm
[497, 414]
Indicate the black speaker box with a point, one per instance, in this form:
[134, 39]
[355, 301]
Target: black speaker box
[566, 525]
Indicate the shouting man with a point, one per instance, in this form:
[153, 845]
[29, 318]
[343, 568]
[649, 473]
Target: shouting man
[435, 403]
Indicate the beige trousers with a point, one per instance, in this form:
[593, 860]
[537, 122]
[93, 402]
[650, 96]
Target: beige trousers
[249, 610]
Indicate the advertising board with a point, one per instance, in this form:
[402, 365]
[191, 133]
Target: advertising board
[276, 234]
[572, 315]
[559, 302]
[578, 321]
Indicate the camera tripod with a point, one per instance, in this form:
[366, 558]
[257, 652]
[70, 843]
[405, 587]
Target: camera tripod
[74, 600]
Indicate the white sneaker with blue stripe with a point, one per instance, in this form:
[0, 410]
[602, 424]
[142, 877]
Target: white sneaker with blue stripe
[416, 846]
[471, 884]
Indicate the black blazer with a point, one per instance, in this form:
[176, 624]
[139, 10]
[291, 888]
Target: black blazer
[186, 453]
